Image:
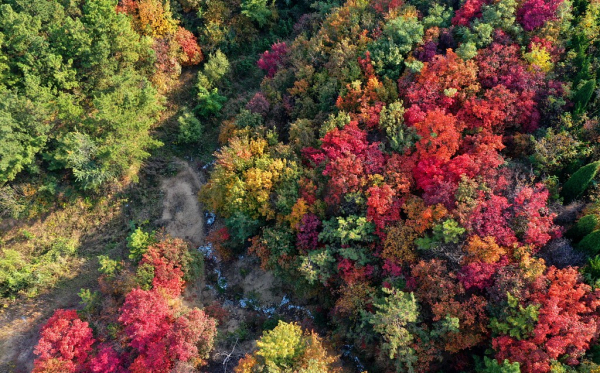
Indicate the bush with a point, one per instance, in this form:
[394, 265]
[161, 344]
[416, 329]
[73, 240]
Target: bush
[579, 181]
[210, 102]
[591, 243]
[493, 366]
[190, 128]
[138, 242]
[591, 272]
[583, 96]
[15, 273]
[256, 10]
[583, 227]
[285, 349]
[10, 202]
[246, 118]
[214, 69]
[108, 266]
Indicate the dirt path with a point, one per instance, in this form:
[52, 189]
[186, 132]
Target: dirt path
[182, 215]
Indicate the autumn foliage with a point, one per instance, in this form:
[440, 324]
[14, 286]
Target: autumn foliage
[157, 330]
[409, 166]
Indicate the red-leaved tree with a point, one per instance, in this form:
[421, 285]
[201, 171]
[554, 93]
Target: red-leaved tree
[567, 322]
[65, 341]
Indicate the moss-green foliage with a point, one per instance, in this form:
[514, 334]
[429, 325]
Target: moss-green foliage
[401, 137]
[517, 321]
[241, 227]
[318, 265]
[138, 242]
[583, 227]
[388, 53]
[449, 231]
[23, 134]
[591, 271]
[246, 118]
[439, 16]
[20, 274]
[590, 244]
[583, 96]
[556, 150]
[287, 348]
[190, 128]
[144, 276]
[210, 101]
[214, 69]
[579, 181]
[108, 266]
[467, 50]
[392, 321]
[347, 230]
[493, 366]
[257, 10]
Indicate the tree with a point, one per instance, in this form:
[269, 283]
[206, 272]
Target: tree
[579, 181]
[163, 335]
[271, 61]
[590, 244]
[87, 72]
[146, 317]
[468, 11]
[563, 300]
[65, 341]
[192, 54]
[105, 361]
[393, 320]
[534, 13]
[493, 366]
[210, 101]
[439, 135]
[213, 71]
[399, 36]
[24, 133]
[349, 160]
[190, 128]
[445, 83]
[257, 10]
[191, 336]
[287, 347]
[583, 96]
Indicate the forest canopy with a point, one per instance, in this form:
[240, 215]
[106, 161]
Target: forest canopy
[421, 175]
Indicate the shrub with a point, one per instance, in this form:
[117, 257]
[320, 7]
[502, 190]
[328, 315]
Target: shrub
[287, 348]
[271, 61]
[108, 266]
[138, 242]
[591, 243]
[256, 10]
[583, 95]
[214, 69]
[64, 337]
[583, 227]
[591, 272]
[579, 181]
[15, 273]
[190, 128]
